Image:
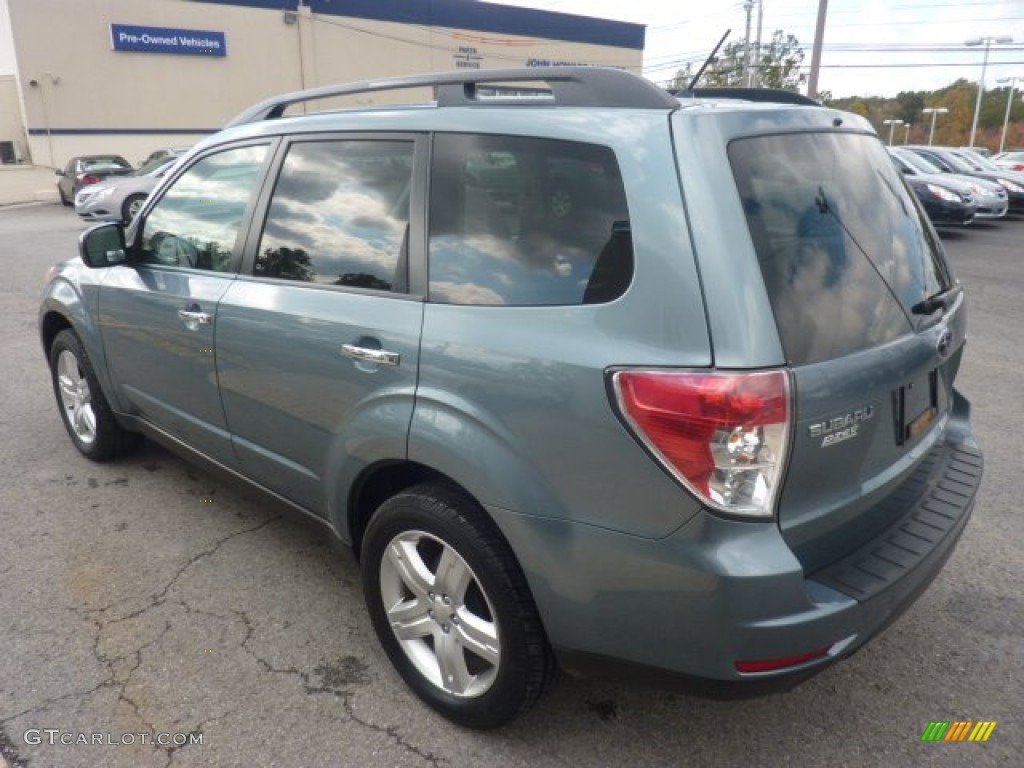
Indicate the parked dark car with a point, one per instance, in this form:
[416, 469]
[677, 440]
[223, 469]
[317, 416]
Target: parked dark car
[88, 169]
[946, 200]
[956, 161]
[944, 205]
[615, 377]
[989, 197]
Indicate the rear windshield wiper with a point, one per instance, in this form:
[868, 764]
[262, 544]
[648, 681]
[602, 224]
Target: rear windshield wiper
[942, 300]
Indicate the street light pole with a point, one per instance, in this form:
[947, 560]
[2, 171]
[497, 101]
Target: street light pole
[1009, 101]
[987, 42]
[892, 126]
[933, 111]
[906, 136]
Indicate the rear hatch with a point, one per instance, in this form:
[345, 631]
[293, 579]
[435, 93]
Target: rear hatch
[871, 324]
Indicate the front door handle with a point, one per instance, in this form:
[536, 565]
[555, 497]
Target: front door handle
[368, 355]
[194, 317]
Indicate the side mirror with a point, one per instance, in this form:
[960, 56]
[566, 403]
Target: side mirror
[103, 245]
[59, 172]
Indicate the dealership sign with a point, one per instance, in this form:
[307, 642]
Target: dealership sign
[196, 42]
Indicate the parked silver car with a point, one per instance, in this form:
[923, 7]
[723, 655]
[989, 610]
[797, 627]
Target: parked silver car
[120, 197]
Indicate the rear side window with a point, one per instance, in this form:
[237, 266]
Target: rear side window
[844, 251]
[523, 221]
[340, 215]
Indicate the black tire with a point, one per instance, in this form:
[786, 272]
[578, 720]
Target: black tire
[83, 408]
[436, 524]
[129, 203]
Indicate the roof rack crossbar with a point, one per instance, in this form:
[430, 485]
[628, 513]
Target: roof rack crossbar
[769, 95]
[570, 86]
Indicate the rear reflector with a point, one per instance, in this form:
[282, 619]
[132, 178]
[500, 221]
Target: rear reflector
[774, 665]
[90, 179]
[723, 435]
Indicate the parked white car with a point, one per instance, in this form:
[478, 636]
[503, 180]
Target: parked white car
[121, 197]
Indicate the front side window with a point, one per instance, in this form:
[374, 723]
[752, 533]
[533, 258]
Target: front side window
[196, 223]
[340, 214]
[527, 222]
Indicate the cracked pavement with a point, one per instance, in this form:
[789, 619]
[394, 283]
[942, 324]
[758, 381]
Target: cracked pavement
[130, 603]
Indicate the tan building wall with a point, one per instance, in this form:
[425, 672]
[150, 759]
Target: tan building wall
[84, 87]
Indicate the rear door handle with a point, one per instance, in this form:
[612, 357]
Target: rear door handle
[367, 355]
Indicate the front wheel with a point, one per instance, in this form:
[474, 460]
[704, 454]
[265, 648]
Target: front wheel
[452, 609]
[131, 207]
[86, 414]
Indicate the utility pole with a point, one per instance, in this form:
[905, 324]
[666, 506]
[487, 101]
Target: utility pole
[756, 79]
[819, 39]
[748, 6]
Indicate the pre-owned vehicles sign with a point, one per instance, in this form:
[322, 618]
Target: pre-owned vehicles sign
[196, 42]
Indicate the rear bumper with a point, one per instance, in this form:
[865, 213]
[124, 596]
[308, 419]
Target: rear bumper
[718, 592]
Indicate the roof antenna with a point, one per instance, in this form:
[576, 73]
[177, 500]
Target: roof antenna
[707, 61]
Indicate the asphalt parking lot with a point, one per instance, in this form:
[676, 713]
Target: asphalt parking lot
[141, 599]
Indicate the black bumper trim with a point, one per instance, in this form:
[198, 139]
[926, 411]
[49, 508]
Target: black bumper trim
[883, 561]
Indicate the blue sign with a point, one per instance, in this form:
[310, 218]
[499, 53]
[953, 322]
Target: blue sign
[195, 42]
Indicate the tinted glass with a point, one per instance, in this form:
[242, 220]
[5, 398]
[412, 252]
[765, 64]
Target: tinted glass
[196, 223]
[844, 251]
[340, 215]
[521, 221]
[922, 164]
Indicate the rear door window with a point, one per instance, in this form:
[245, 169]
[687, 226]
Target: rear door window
[844, 250]
[521, 221]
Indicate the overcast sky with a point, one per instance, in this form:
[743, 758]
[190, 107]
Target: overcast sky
[858, 33]
[872, 47]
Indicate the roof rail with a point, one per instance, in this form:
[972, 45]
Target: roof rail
[771, 95]
[570, 86]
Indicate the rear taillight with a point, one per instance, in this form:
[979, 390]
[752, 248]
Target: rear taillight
[90, 179]
[723, 435]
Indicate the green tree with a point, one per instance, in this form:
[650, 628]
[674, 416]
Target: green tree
[781, 62]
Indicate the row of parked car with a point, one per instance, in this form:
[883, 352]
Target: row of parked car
[108, 188]
[956, 186]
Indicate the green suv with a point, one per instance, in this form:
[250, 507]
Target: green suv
[587, 376]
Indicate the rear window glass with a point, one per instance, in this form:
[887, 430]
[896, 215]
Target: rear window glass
[523, 221]
[844, 250]
[104, 163]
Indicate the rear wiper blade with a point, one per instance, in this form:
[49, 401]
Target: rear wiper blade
[942, 300]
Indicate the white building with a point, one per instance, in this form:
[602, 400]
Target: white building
[129, 76]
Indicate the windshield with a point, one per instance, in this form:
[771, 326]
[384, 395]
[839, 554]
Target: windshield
[922, 164]
[112, 162]
[154, 166]
[844, 249]
[958, 164]
[982, 162]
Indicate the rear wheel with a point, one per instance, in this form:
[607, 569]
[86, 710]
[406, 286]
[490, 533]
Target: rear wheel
[452, 609]
[86, 414]
[131, 207]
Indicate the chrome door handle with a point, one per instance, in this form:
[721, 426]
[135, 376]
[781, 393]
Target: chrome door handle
[367, 355]
[193, 319]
